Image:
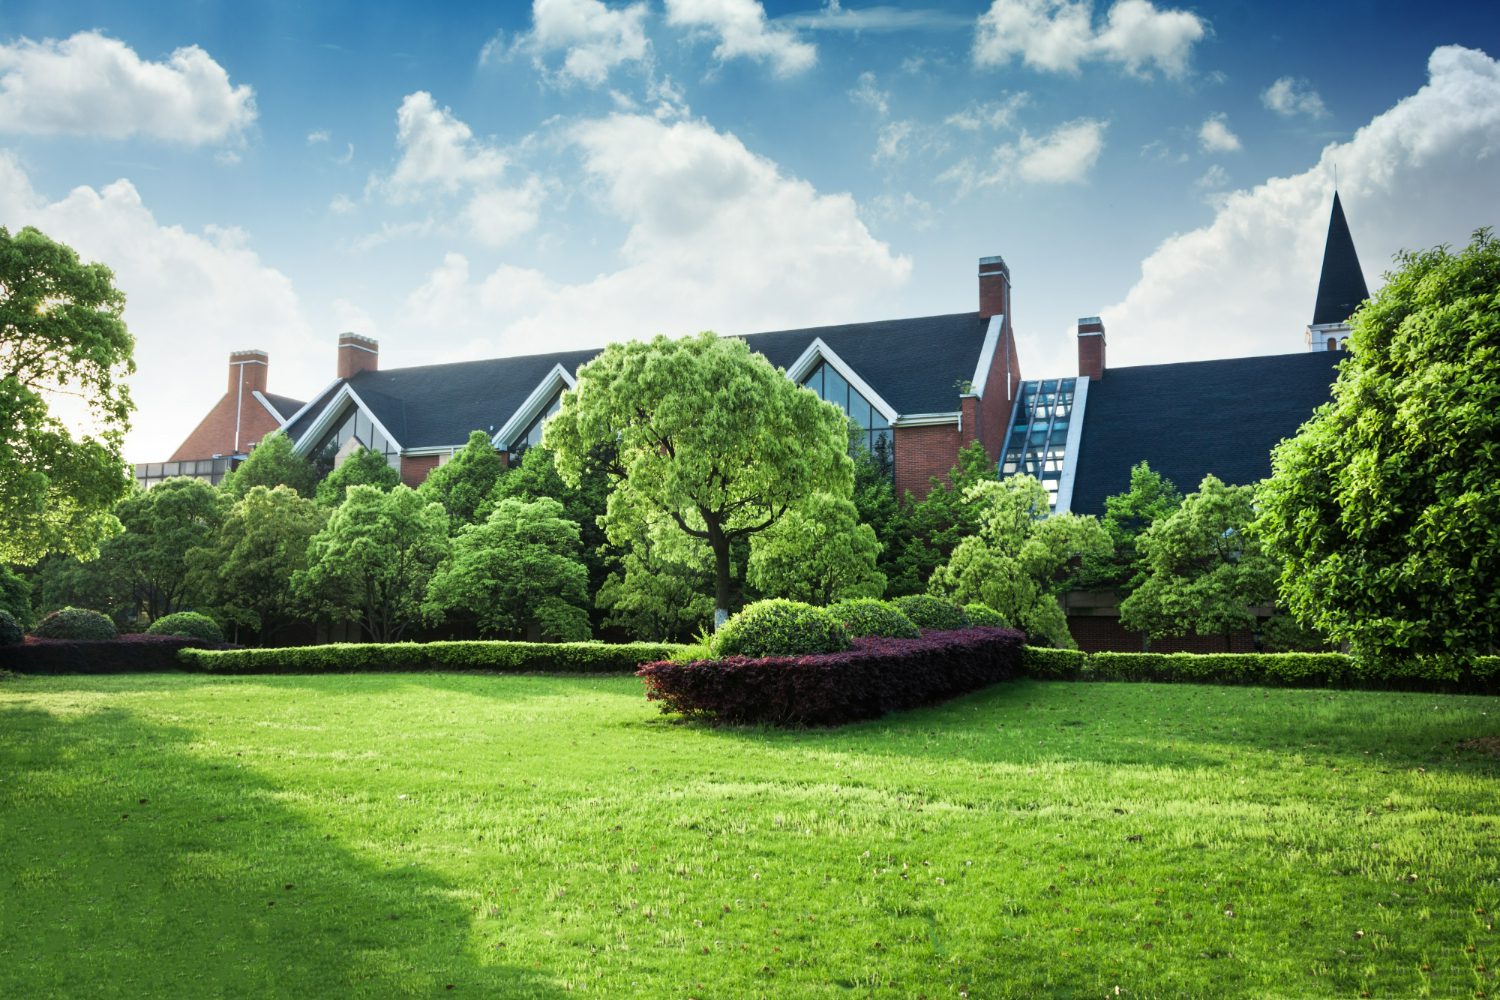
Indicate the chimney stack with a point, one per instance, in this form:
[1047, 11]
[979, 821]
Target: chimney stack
[1091, 347]
[247, 372]
[357, 354]
[994, 287]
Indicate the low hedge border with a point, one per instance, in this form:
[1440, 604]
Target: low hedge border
[404, 657]
[129, 654]
[1480, 675]
[876, 676]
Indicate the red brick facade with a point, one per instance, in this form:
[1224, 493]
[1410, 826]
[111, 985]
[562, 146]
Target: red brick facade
[357, 354]
[215, 433]
[1091, 347]
[414, 468]
[923, 452]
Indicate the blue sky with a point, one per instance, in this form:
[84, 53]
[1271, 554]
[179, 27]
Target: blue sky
[471, 180]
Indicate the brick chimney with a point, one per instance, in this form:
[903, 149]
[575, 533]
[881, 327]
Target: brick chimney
[357, 354]
[1091, 347]
[247, 372]
[994, 287]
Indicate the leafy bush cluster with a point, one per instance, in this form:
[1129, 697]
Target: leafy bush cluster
[1480, 675]
[865, 616]
[191, 623]
[76, 623]
[876, 676]
[780, 628]
[129, 654]
[507, 657]
[930, 613]
[11, 633]
[984, 616]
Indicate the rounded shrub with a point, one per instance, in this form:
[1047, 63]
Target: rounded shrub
[931, 614]
[865, 616]
[193, 624]
[76, 623]
[11, 633]
[780, 628]
[984, 616]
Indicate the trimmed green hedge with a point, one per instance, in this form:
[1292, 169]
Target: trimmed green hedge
[505, 657]
[779, 628]
[191, 623]
[1310, 670]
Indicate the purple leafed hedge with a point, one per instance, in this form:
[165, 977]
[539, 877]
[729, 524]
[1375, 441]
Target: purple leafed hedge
[875, 677]
[126, 655]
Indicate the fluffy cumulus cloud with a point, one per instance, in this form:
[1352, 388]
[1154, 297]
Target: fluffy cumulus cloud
[90, 84]
[188, 295]
[592, 37]
[1060, 35]
[1064, 155]
[1426, 171]
[741, 30]
[1291, 96]
[1215, 136]
[717, 237]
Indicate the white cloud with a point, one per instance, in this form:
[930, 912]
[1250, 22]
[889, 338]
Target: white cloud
[190, 299]
[741, 28]
[321, 135]
[717, 238]
[1289, 96]
[495, 216]
[1245, 283]
[93, 85]
[1063, 156]
[834, 17]
[890, 143]
[1059, 35]
[595, 38]
[988, 114]
[1215, 136]
[867, 92]
[342, 204]
[1214, 180]
[438, 150]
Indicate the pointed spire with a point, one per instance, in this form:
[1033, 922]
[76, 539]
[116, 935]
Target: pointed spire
[1341, 287]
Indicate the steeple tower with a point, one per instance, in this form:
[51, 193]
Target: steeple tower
[1341, 286]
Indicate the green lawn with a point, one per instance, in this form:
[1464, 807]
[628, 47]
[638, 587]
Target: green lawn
[188, 836]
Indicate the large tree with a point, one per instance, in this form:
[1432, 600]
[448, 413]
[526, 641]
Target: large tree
[818, 553]
[705, 432]
[464, 482]
[926, 532]
[1020, 557]
[1205, 571]
[162, 525]
[1385, 508]
[64, 356]
[1149, 498]
[362, 467]
[584, 504]
[373, 560]
[274, 462]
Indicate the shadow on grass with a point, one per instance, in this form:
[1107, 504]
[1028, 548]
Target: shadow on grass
[134, 866]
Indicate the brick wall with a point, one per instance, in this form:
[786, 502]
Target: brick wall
[921, 453]
[991, 418]
[414, 468]
[214, 435]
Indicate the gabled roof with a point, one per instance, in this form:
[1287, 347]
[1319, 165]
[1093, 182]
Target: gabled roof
[1341, 286]
[914, 364]
[1194, 418]
[285, 406]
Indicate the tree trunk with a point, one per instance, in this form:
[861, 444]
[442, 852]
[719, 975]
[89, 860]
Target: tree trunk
[719, 542]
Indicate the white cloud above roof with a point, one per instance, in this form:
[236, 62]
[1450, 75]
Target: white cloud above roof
[743, 32]
[1059, 36]
[93, 85]
[1215, 136]
[1291, 96]
[593, 37]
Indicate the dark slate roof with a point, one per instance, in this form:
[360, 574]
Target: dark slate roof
[1341, 286]
[914, 364]
[285, 405]
[1194, 418]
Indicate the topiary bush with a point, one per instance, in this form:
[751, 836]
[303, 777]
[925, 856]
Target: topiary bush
[76, 623]
[11, 633]
[780, 628]
[192, 623]
[984, 616]
[865, 616]
[930, 613]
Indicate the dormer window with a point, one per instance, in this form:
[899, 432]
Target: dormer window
[532, 435]
[874, 430]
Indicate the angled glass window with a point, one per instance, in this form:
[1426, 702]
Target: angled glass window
[532, 435]
[1036, 444]
[874, 434]
[353, 425]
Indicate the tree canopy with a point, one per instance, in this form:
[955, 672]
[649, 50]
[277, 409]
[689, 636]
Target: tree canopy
[1385, 508]
[161, 526]
[1017, 561]
[925, 532]
[64, 356]
[362, 467]
[1149, 498]
[705, 432]
[464, 482]
[817, 554]
[274, 462]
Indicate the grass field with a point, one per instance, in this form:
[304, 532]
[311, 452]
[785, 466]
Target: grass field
[539, 836]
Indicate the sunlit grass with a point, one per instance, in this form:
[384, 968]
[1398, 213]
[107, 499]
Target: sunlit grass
[532, 836]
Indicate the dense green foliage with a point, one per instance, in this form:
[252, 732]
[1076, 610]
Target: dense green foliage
[101, 584]
[1020, 558]
[464, 482]
[1385, 509]
[931, 613]
[11, 632]
[779, 628]
[516, 836]
[926, 532]
[161, 525]
[984, 616]
[1149, 498]
[663, 587]
[705, 432]
[75, 623]
[519, 569]
[536, 478]
[272, 463]
[506, 657]
[62, 336]
[818, 552]
[1205, 571]
[371, 563]
[865, 616]
[362, 467]
[246, 575]
[190, 623]
[15, 595]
